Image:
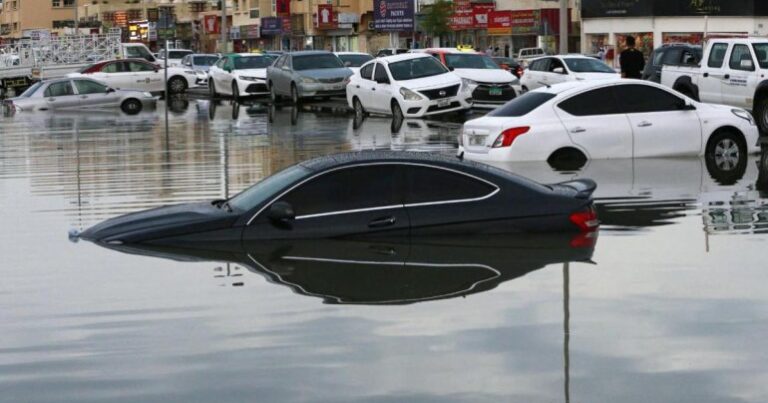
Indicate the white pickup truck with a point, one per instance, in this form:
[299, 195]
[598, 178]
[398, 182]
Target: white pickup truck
[733, 72]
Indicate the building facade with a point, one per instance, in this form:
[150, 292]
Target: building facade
[16, 16]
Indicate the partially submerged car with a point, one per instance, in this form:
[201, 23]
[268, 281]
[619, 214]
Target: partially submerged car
[366, 194]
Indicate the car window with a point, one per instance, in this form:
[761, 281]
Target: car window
[470, 61]
[367, 71]
[717, 55]
[220, 63]
[31, 90]
[138, 52]
[178, 54]
[599, 101]
[267, 188]
[59, 89]
[416, 68]
[380, 73]
[138, 67]
[656, 57]
[252, 62]
[587, 65]
[522, 105]
[355, 60]
[429, 185]
[670, 56]
[554, 64]
[761, 51]
[348, 189]
[315, 62]
[279, 62]
[89, 87]
[204, 60]
[636, 98]
[739, 54]
[116, 67]
[401, 51]
[540, 65]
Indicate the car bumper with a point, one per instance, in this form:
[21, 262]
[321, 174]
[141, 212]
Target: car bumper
[323, 90]
[428, 107]
[201, 80]
[250, 88]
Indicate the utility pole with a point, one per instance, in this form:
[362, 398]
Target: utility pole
[224, 34]
[77, 17]
[563, 27]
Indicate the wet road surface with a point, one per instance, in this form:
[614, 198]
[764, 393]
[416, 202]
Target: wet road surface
[669, 304]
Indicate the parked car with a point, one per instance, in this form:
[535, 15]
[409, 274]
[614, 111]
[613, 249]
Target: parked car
[732, 72]
[674, 54]
[78, 93]
[200, 63]
[390, 52]
[174, 56]
[489, 84]
[353, 60]
[407, 85]
[510, 65]
[240, 75]
[139, 74]
[307, 74]
[366, 193]
[526, 54]
[607, 119]
[552, 70]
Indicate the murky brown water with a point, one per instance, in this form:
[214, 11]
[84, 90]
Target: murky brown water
[673, 309]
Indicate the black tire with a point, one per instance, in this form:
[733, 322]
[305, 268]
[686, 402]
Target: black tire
[358, 107]
[131, 106]
[212, 89]
[761, 114]
[295, 95]
[567, 159]
[273, 96]
[726, 156]
[235, 91]
[397, 112]
[177, 85]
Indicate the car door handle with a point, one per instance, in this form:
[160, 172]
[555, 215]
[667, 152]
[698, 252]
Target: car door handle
[705, 75]
[84, 96]
[373, 89]
[51, 99]
[727, 76]
[578, 130]
[644, 124]
[382, 222]
[357, 86]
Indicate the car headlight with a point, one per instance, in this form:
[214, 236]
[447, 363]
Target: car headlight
[307, 80]
[409, 95]
[466, 83]
[744, 115]
[148, 95]
[249, 78]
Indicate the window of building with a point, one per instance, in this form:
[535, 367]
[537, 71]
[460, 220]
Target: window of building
[274, 7]
[254, 13]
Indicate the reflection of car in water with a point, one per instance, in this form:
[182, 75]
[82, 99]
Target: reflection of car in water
[388, 271]
[236, 118]
[63, 121]
[402, 134]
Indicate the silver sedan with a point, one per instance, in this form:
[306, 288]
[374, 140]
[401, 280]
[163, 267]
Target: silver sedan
[78, 93]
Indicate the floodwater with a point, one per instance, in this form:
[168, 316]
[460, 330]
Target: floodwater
[668, 305]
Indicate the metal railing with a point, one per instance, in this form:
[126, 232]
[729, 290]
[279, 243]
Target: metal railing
[52, 51]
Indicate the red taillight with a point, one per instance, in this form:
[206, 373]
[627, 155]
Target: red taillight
[519, 72]
[585, 219]
[507, 137]
[584, 240]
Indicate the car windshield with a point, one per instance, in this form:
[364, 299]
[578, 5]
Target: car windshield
[314, 62]
[205, 60]
[355, 60]
[267, 188]
[31, 90]
[503, 60]
[587, 65]
[522, 105]
[253, 62]
[761, 50]
[416, 68]
[469, 61]
[178, 54]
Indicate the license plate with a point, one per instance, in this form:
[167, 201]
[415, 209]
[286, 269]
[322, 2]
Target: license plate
[495, 91]
[338, 87]
[477, 140]
[443, 104]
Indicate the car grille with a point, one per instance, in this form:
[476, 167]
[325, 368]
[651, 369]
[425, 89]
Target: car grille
[444, 92]
[255, 88]
[331, 80]
[483, 93]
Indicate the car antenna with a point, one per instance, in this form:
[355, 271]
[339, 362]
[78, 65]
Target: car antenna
[544, 84]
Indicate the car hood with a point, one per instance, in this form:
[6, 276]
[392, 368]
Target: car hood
[326, 73]
[258, 73]
[486, 75]
[442, 80]
[161, 222]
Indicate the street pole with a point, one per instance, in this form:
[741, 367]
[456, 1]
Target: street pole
[223, 26]
[563, 27]
[77, 18]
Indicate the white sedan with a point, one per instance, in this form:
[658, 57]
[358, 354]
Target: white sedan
[353, 60]
[139, 74]
[608, 119]
[407, 85]
[239, 75]
[552, 70]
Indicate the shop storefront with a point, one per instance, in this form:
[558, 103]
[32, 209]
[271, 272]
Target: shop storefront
[275, 33]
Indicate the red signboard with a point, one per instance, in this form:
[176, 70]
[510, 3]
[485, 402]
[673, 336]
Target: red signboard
[211, 24]
[480, 15]
[500, 22]
[462, 15]
[283, 8]
[325, 16]
[121, 18]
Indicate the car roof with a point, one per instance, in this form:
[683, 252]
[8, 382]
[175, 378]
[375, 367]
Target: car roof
[311, 52]
[448, 50]
[352, 53]
[577, 86]
[402, 56]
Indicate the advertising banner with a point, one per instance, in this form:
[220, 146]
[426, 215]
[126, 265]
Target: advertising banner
[250, 31]
[480, 15]
[525, 22]
[286, 25]
[672, 8]
[500, 22]
[325, 16]
[211, 24]
[271, 26]
[393, 15]
[461, 18]
[283, 8]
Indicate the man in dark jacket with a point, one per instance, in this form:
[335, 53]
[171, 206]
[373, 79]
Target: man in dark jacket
[631, 60]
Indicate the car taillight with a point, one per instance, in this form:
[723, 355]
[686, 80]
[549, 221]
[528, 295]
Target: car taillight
[585, 219]
[507, 137]
[584, 240]
[519, 72]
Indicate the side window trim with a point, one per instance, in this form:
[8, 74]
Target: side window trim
[496, 190]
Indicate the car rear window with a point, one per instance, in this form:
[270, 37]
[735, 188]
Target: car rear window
[522, 105]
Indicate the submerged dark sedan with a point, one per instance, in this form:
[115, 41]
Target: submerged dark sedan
[367, 194]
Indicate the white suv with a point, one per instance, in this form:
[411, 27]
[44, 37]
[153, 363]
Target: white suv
[407, 85]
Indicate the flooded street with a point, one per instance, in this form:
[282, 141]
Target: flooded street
[668, 305]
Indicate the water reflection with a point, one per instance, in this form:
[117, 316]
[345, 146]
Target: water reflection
[388, 272]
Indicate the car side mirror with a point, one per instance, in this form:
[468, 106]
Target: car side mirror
[281, 212]
[451, 68]
[686, 106]
[110, 90]
[558, 70]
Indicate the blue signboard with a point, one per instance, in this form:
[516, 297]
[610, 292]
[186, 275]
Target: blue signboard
[271, 26]
[393, 15]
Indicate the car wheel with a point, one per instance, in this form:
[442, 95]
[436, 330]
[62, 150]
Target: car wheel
[294, 94]
[726, 154]
[177, 85]
[235, 91]
[359, 110]
[397, 112]
[131, 106]
[273, 94]
[212, 89]
[761, 114]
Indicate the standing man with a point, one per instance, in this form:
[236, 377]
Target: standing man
[631, 60]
